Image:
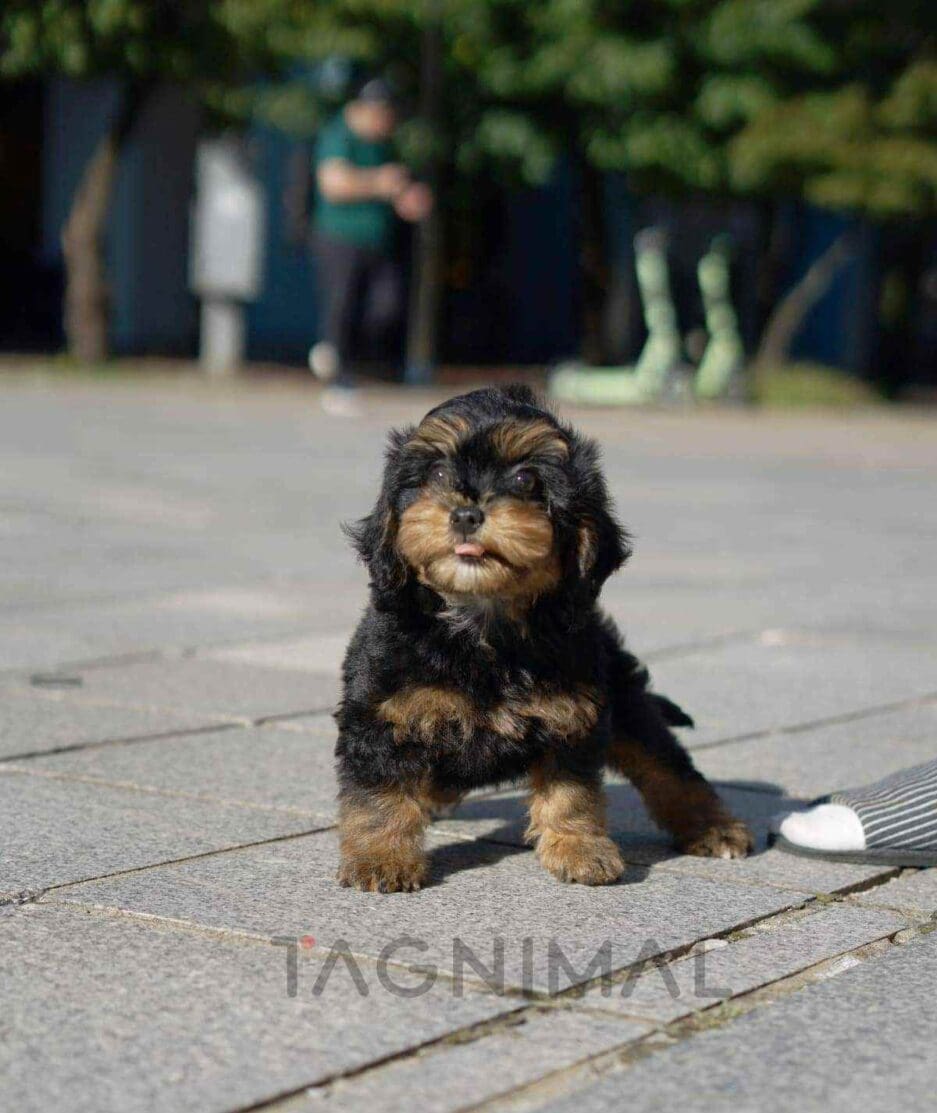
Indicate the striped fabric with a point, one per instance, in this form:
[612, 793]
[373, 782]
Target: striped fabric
[900, 811]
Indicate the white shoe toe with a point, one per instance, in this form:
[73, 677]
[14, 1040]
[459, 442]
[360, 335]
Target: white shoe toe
[826, 827]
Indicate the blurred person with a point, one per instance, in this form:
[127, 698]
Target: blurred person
[362, 193]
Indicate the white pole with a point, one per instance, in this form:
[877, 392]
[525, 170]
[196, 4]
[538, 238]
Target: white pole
[223, 334]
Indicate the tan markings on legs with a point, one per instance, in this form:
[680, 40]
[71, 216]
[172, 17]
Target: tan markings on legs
[424, 711]
[686, 807]
[567, 823]
[381, 840]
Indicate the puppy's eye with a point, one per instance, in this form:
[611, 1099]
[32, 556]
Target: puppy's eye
[524, 482]
[439, 473]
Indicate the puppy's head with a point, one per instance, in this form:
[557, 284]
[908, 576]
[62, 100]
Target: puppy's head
[491, 498]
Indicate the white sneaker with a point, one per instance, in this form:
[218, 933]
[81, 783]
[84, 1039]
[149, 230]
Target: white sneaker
[323, 361]
[831, 827]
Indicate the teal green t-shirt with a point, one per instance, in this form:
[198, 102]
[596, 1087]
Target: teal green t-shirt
[368, 224]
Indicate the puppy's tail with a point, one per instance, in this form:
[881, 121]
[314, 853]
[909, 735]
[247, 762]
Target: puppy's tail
[629, 682]
[673, 715]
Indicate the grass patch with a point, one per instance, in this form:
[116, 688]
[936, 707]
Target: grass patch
[813, 384]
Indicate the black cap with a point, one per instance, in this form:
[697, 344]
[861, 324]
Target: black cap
[376, 90]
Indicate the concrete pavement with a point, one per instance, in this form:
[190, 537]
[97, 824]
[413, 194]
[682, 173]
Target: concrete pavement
[175, 595]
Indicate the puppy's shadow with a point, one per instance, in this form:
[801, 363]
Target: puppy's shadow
[492, 826]
[459, 856]
[491, 829]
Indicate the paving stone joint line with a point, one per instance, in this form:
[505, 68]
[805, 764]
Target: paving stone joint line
[825, 721]
[718, 1014]
[125, 740]
[664, 1036]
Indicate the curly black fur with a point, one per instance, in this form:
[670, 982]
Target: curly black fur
[410, 634]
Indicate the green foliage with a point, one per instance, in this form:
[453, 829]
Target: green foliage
[215, 47]
[738, 33]
[832, 101]
[836, 103]
[843, 150]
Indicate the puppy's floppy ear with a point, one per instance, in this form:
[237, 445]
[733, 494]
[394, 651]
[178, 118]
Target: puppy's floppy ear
[374, 537]
[602, 546]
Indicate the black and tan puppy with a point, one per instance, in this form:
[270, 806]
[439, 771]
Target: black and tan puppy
[483, 658]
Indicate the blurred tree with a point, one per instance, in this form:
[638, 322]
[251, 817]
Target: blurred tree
[214, 49]
[832, 101]
[860, 137]
[829, 101]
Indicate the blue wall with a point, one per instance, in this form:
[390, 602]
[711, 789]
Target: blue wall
[282, 323]
[840, 329]
[539, 269]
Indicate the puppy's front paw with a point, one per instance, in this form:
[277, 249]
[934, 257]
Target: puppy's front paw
[588, 859]
[392, 874]
[729, 838]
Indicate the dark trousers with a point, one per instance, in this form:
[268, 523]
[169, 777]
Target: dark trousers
[362, 296]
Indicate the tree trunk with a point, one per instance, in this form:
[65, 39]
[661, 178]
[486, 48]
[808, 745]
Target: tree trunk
[785, 321]
[86, 308]
[422, 326]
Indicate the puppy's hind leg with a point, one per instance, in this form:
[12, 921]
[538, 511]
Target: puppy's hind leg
[679, 798]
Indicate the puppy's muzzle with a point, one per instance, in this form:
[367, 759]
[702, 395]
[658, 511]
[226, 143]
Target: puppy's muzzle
[466, 519]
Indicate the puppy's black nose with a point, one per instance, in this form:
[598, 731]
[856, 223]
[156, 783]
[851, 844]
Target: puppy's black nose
[466, 519]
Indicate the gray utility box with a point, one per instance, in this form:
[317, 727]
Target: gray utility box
[226, 257]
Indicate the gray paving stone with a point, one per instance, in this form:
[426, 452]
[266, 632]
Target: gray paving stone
[915, 891]
[661, 619]
[818, 761]
[25, 647]
[321, 723]
[862, 1040]
[502, 817]
[34, 723]
[222, 538]
[170, 1021]
[99, 595]
[318, 653]
[483, 894]
[655, 619]
[220, 612]
[221, 688]
[450, 1076]
[264, 767]
[765, 955]
[737, 689]
[194, 615]
[684, 609]
[764, 867]
[56, 831]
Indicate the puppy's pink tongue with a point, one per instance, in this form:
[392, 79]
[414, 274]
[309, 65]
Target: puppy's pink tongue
[470, 549]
